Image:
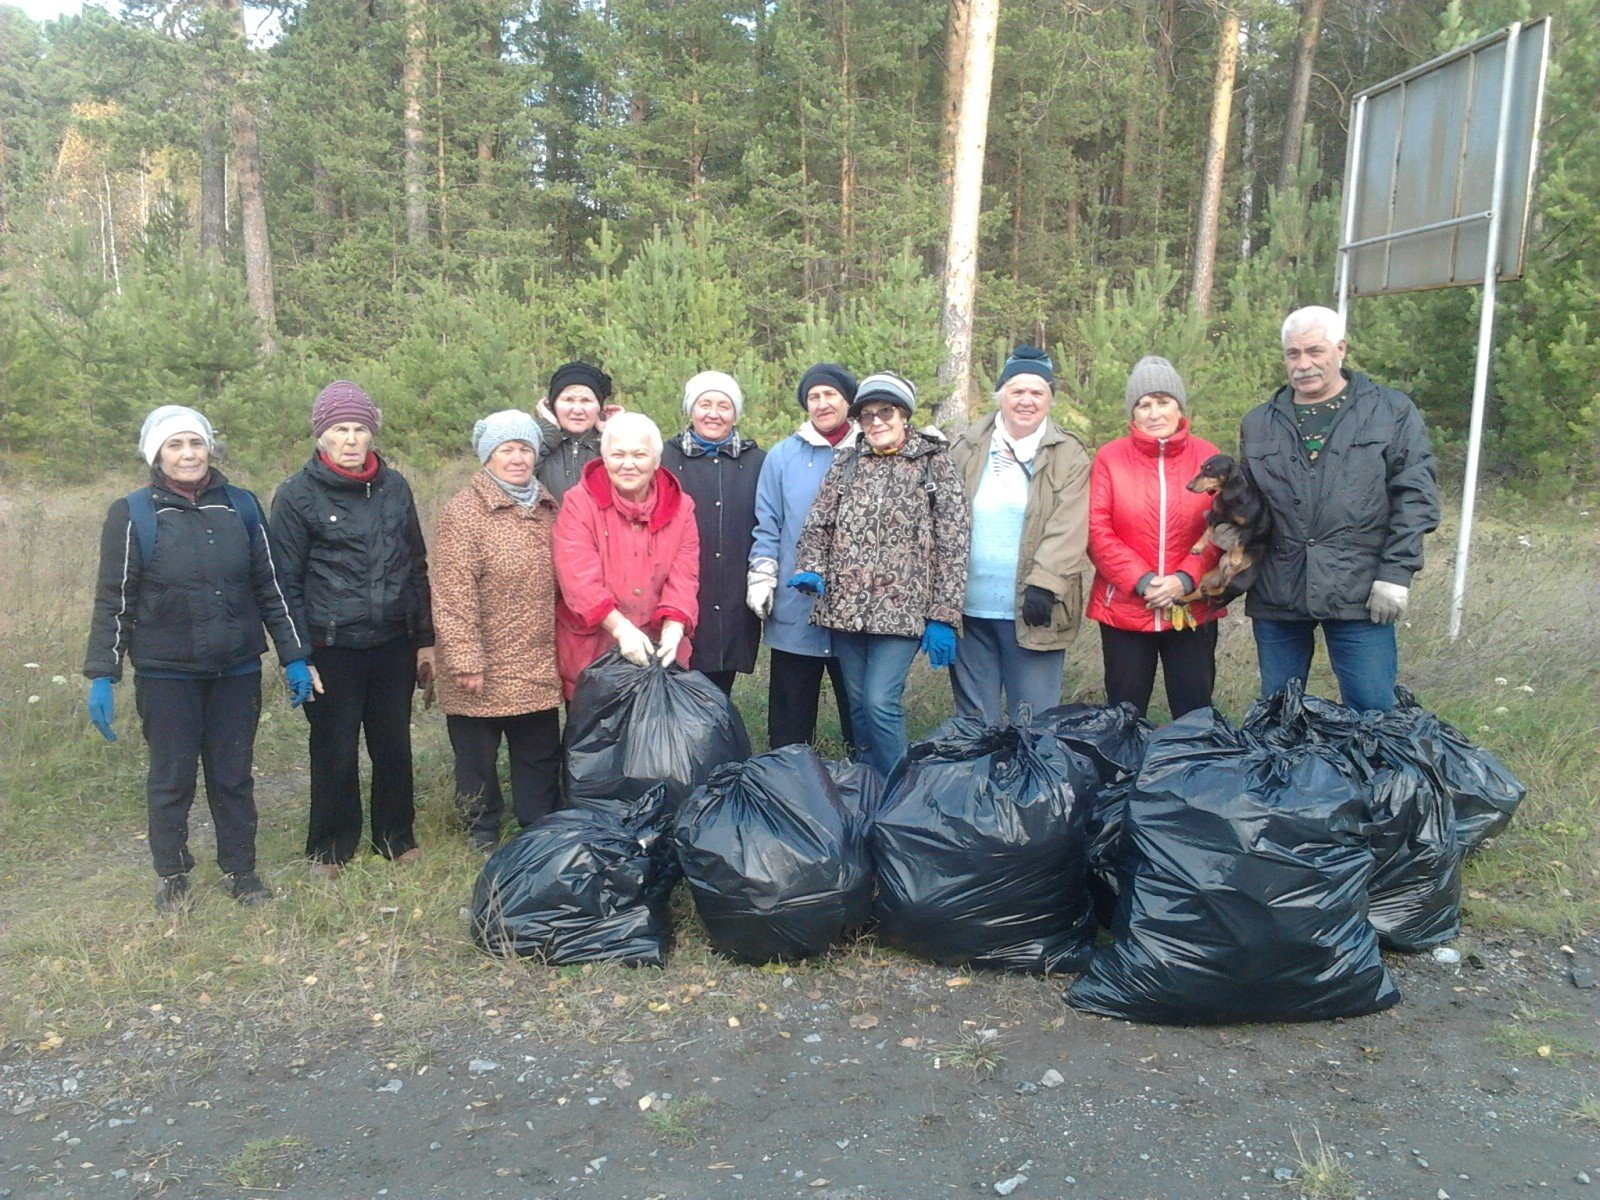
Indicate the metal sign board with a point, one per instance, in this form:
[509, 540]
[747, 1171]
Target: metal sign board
[1420, 172]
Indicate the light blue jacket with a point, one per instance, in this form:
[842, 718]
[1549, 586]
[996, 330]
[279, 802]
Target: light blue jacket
[790, 480]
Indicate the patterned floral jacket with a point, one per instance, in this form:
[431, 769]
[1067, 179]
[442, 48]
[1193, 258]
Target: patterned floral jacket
[888, 534]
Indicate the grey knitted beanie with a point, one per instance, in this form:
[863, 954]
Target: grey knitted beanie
[1154, 374]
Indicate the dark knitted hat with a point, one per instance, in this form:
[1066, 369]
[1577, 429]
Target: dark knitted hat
[343, 401]
[1027, 360]
[831, 374]
[593, 378]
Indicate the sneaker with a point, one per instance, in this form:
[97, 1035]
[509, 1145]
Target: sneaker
[325, 870]
[246, 887]
[172, 893]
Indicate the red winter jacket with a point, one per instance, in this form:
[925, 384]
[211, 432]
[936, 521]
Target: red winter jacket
[1143, 520]
[605, 562]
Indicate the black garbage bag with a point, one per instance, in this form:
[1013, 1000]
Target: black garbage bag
[1415, 892]
[775, 861]
[583, 885]
[630, 728]
[1111, 738]
[980, 851]
[1106, 814]
[1484, 793]
[1242, 887]
[860, 788]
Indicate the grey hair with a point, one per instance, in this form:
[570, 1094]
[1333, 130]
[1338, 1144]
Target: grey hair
[1303, 320]
[631, 424]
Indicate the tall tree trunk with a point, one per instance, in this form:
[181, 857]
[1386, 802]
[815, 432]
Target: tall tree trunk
[1166, 72]
[213, 154]
[958, 17]
[441, 167]
[1132, 132]
[1205, 241]
[490, 47]
[808, 268]
[258, 276]
[847, 158]
[1294, 119]
[1247, 150]
[412, 169]
[966, 197]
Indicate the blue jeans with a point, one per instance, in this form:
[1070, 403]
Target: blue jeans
[988, 660]
[875, 666]
[1362, 654]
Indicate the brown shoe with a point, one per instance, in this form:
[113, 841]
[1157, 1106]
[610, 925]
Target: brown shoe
[410, 855]
[325, 870]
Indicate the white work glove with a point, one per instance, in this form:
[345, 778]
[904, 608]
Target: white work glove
[1386, 604]
[633, 644]
[760, 585]
[671, 635]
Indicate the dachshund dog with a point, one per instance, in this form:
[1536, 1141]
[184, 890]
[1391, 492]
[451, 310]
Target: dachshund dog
[1238, 524]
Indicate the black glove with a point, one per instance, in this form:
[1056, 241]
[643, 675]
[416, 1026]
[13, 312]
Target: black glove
[1037, 605]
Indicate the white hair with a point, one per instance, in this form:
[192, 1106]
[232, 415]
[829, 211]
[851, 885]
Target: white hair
[626, 425]
[1303, 320]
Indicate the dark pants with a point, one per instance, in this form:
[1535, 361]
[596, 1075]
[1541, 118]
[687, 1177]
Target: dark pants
[533, 741]
[1188, 665]
[1364, 658]
[723, 679]
[212, 721]
[793, 689]
[364, 691]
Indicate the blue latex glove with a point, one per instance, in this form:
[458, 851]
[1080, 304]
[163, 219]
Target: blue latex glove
[102, 707]
[939, 644]
[298, 676]
[809, 582]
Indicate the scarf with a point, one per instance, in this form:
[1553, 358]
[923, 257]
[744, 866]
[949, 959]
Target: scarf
[637, 511]
[713, 447]
[526, 495]
[367, 473]
[1006, 452]
[189, 491]
[840, 432]
[892, 450]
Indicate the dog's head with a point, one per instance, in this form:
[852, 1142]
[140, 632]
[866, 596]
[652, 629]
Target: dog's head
[1214, 474]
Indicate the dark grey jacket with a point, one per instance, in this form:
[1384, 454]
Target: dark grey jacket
[198, 606]
[1358, 514]
[352, 557]
[563, 456]
[723, 488]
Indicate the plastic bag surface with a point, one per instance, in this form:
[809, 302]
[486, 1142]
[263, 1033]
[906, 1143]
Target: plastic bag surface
[775, 860]
[583, 885]
[980, 851]
[1484, 793]
[630, 728]
[1112, 739]
[1242, 874]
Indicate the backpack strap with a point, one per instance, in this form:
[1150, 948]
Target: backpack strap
[142, 516]
[243, 503]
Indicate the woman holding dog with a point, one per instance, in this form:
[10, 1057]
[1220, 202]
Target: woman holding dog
[1143, 526]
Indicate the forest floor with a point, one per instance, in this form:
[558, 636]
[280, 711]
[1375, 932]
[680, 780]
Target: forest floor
[348, 1040]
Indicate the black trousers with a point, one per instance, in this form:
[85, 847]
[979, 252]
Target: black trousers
[1188, 665]
[212, 723]
[793, 690]
[723, 679]
[533, 741]
[364, 692]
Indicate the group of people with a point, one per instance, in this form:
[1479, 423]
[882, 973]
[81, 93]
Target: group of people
[853, 545]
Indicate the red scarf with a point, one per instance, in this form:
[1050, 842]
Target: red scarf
[840, 432]
[366, 474]
[637, 511]
[189, 491]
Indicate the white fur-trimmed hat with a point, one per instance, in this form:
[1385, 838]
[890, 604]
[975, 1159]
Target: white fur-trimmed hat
[168, 421]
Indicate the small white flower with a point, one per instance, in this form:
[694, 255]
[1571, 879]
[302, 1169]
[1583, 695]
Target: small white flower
[58, 679]
[1484, 729]
[33, 699]
[1501, 680]
[1523, 540]
[1502, 709]
[1525, 688]
[31, 666]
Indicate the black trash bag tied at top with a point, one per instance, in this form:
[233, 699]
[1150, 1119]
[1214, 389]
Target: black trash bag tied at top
[630, 728]
[1242, 887]
[581, 886]
[1415, 893]
[775, 861]
[1484, 793]
[979, 849]
[1112, 737]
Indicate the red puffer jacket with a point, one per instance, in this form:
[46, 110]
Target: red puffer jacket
[1143, 520]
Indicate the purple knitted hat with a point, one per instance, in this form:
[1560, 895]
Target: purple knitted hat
[343, 401]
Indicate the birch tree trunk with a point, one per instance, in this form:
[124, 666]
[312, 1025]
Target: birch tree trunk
[1205, 242]
[412, 168]
[258, 275]
[958, 16]
[1294, 119]
[966, 201]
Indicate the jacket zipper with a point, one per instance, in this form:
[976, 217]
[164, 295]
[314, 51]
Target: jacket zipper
[1161, 524]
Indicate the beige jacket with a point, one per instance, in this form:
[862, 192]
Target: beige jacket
[494, 602]
[1055, 527]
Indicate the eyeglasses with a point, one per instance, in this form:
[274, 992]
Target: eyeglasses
[878, 416]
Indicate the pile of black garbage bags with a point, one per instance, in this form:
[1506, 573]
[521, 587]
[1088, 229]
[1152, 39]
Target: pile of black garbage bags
[1194, 874]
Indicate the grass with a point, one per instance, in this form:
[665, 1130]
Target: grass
[680, 1122]
[977, 1051]
[1321, 1174]
[1586, 1111]
[83, 953]
[262, 1164]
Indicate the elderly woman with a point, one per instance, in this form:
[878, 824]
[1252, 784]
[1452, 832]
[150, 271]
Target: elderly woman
[1143, 523]
[354, 563]
[494, 618]
[788, 486]
[571, 416]
[187, 580]
[627, 557]
[1027, 487]
[884, 550]
[718, 468]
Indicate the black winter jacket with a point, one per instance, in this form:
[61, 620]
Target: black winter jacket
[1357, 514]
[563, 456]
[723, 488]
[353, 559]
[197, 607]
